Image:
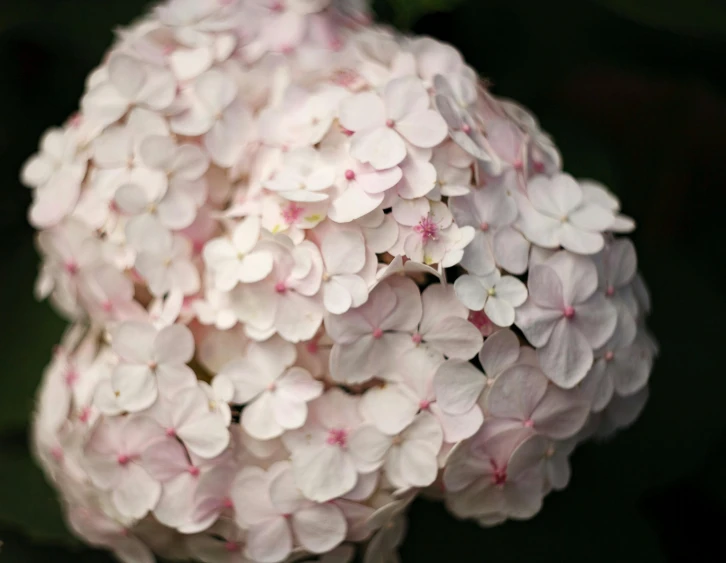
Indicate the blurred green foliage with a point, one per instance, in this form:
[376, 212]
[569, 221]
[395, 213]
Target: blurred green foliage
[635, 95]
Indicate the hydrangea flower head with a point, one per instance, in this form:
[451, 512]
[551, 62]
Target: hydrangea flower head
[312, 269]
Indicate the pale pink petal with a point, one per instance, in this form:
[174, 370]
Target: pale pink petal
[537, 324]
[319, 528]
[354, 203]
[567, 356]
[499, 311]
[137, 493]
[382, 147]
[516, 392]
[258, 418]
[389, 408]
[596, 319]
[174, 344]
[560, 415]
[455, 338]
[325, 473]
[368, 446]
[457, 385]
[500, 351]
[579, 241]
[425, 130]
[363, 111]
[270, 541]
[135, 387]
[471, 292]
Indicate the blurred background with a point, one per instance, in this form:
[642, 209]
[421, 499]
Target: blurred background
[634, 93]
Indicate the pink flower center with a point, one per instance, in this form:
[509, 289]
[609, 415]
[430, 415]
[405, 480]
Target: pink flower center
[484, 226]
[232, 546]
[280, 287]
[272, 386]
[529, 423]
[123, 459]
[227, 503]
[291, 213]
[539, 167]
[350, 175]
[609, 355]
[337, 437]
[378, 333]
[71, 267]
[85, 415]
[417, 338]
[518, 164]
[390, 123]
[170, 432]
[466, 128]
[277, 6]
[347, 132]
[57, 454]
[424, 404]
[193, 471]
[71, 377]
[569, 312]
[427, 228]
[336, 44]
[312, 347]
[107, 306]
[610, 291]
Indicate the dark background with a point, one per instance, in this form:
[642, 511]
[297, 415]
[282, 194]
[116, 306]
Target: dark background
[634, 93]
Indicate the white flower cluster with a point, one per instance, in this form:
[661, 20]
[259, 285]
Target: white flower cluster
[313, 269]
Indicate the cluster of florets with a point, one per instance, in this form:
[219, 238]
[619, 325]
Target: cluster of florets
[314, 268]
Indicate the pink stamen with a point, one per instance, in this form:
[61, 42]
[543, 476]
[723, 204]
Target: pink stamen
[529, 423]
[71, 268]
[272, 386]
[390, 123]
[417, 338]
[193, 471]
[349, 175]
[57, 454]
[347, 132]
[170, 432]
[291, 213]
[424, 404]
[378, 333]
[466, 128]
[277, 6]
[518, 164]
[227, 503]
[123, 459]
[610, 291]
[569, 312]
[484, 226]
[337, 437]
[609, 355]
[280, 287]
[107, 306]
[427, 228]
[312, 347]
[539, 167]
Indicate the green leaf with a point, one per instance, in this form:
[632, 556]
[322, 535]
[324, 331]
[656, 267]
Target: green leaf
[406, 12]
[693, 17]
[27, 502]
